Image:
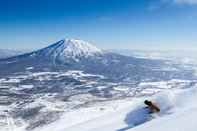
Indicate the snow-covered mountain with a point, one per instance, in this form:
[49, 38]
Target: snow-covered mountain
[69, 49]
[70, 54]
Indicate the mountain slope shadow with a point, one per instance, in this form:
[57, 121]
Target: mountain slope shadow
[136, 117]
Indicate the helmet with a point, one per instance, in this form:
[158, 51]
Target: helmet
[147, 102]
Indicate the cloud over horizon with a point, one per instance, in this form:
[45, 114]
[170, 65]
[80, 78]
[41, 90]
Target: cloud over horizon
[191, 2]
[188, 2]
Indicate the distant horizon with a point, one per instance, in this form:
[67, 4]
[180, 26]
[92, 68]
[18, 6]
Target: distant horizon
[115, 49]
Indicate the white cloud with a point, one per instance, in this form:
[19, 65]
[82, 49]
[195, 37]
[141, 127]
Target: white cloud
[165, 3]
[191, 2]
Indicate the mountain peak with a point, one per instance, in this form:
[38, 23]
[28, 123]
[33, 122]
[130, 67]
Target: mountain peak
[70, 48]
[79, 46]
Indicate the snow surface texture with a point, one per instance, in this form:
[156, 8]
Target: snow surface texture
[183, 118]
[178, 113]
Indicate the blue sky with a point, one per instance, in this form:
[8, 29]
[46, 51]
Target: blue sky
[109, 24]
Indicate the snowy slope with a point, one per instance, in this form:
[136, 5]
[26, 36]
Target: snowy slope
[183, 117]
[178, 113]
[183, 121]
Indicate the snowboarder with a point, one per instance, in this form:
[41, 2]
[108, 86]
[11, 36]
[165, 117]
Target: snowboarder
[152, 107]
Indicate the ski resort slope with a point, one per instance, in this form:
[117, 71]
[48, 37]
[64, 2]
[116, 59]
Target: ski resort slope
[182, 118]
[178, 113]
[183, 121]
